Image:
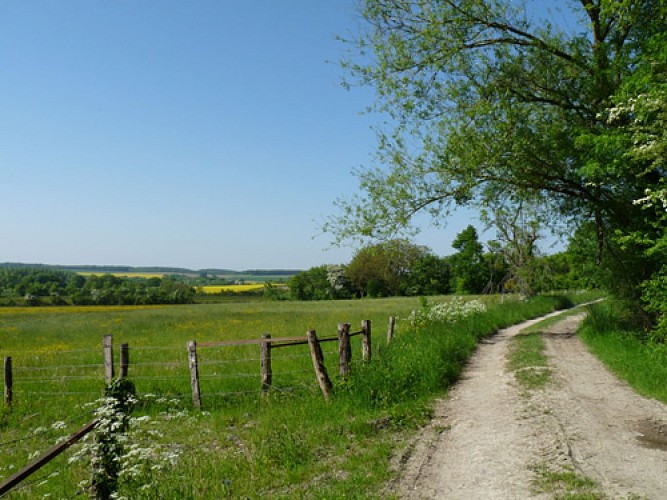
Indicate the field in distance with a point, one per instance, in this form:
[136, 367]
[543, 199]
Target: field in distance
[211, 289]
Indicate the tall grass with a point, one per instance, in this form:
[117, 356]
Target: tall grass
[291, 444]
[611, 333]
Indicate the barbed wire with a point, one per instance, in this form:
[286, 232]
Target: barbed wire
[59, 393]
[54, 367]
[158, 348]
[158, 363]
[58, 379]
[204, 361]
[163, 377]
[47, 430]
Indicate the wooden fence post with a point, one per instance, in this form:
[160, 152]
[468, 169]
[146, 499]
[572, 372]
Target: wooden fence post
[49, 455]
[107, 347]
[390, 329]
[344, 349]
[318, 364]
[265, 363]
[366, 340]
[194, 373]
[8, 381]
[124, 360]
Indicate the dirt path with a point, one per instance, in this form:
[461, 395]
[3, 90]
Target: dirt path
[490, 438]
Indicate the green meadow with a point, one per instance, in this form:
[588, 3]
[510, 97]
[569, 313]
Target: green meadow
[289, 444]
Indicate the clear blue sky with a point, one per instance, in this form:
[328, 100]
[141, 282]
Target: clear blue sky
[197, 134]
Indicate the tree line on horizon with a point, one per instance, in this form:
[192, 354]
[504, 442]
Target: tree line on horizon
[42, 286]
[400, 268]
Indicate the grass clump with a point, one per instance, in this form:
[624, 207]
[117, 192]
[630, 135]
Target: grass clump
[565, 484]
[627, 350]
[527, 360]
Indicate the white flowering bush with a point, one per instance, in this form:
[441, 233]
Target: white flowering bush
[125, 453]
[454, 309]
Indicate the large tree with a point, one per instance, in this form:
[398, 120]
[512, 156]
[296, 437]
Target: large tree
[383, 269]
[492, 105]
[468, 266]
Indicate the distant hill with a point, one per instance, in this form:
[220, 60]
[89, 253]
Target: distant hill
[152, 269]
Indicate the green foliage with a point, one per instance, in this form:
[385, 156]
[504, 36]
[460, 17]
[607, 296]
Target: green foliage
[654, 294]
[122, 455]
[453, 310]
[492, 105]
[553, 272]
[468, 269]
[381, 270]
[37, 282]
[320, 283]
[114, 290]
[113, 420]
[615, 315]
[493, 109]
[401, 268]
[612, 333]
[273, 292]
[589, 267]
[39, 286]
[423, 362]
[517, 229]
[430, 275]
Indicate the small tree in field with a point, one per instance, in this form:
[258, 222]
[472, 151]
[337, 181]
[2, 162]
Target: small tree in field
[468, 265]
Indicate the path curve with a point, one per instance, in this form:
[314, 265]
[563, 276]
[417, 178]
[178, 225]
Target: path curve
[488, 436]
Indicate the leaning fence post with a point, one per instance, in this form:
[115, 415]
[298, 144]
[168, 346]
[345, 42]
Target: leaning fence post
[265, 362]
[318, 364]
[8, 381]
[124, 360]
[194, 373]
[390, 329]
[107, 347]
[366, 340]
[344, 349]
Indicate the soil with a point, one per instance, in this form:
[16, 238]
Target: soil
[493, 439]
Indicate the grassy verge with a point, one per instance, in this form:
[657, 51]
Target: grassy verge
[527, 360]
[289, 445]
[526, 353]
[626, 352]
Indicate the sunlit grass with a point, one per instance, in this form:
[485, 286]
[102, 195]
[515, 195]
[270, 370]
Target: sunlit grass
[527, 360]
[641, 363]
[289, 444]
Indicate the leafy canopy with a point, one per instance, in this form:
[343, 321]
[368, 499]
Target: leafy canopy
[491, 107]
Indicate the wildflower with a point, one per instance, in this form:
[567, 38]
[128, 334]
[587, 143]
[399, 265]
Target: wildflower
[445, 312]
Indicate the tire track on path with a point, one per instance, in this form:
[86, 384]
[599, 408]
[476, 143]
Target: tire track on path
[487, 437]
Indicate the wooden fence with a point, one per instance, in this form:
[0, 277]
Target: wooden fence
[16, 478]
[266, 344]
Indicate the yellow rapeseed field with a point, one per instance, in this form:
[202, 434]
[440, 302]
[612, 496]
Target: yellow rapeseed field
[230, 288]
[70, 309]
